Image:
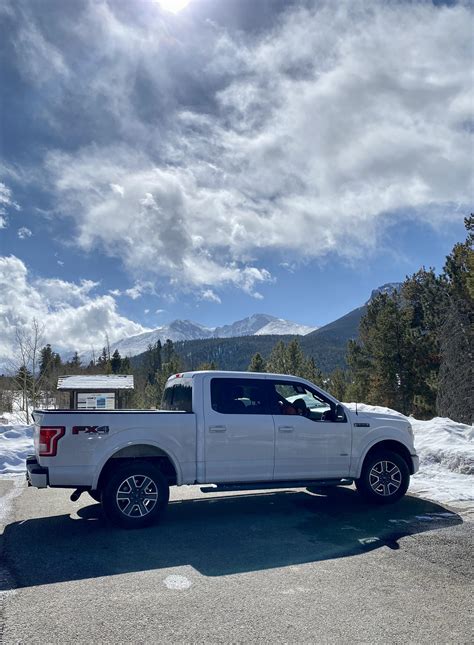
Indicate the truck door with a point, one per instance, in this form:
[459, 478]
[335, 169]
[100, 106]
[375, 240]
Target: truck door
[239, 430]
[312, 441]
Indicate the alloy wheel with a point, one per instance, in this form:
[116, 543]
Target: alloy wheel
[137, 496]
[385, 478]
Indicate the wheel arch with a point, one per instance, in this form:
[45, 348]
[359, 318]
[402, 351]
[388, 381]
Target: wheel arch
[150, 452]
[393, 446]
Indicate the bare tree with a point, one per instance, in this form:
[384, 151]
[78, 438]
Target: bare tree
[25, 365]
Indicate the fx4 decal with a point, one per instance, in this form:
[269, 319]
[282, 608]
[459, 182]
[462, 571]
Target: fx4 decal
[90, 429]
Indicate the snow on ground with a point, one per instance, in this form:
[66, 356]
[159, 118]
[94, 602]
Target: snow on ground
[16, 441]
[446, 451]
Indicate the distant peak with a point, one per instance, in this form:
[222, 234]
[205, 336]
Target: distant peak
[389, 288]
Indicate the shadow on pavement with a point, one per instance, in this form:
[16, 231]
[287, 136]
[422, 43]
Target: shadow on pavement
[217, 535]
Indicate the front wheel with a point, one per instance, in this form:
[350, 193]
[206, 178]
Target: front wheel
[384, 478]
[135, 495]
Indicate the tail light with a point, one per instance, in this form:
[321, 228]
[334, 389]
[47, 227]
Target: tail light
[48, 440]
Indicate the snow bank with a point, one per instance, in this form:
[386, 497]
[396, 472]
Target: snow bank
[446, 450]
[16, 442]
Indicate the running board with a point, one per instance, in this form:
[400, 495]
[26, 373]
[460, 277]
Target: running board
[313, 483]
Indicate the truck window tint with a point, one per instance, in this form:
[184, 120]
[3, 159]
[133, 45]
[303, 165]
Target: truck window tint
[178, 397]
[239, 396]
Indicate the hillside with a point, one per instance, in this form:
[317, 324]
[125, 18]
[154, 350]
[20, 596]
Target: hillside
[228, 353]
[329, 343]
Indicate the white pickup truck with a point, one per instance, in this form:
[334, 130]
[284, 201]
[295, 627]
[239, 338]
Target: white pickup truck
[236, 430]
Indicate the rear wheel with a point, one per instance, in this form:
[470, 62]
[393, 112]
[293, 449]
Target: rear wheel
[135, 495]
[384, 478]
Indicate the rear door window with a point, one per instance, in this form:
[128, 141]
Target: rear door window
[239, 396]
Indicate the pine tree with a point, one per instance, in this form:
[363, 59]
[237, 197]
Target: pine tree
[174, 366]
[257, 364]
[455, 391]
[360, 362]
[206, 366]
[76, 361]
[151, 399]
[152, 361]
[382, 359]
[46, 359]
[424, 302]
[338, 384]
[312, 373]
[25, 379]
[116, 362]
[168, 351]
[295, 360]
[277, 362]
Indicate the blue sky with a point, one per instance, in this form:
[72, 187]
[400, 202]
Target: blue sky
[231, 158]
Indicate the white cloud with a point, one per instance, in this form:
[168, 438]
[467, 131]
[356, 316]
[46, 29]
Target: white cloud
[3, 222]
[6, 199]
[138, 289]
[24, 232]
[118, 190]
[73, 317]
[346, 115]
[41, 62]
[210, 296]
[135, 292]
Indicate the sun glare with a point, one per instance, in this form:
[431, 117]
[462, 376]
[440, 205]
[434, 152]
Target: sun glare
[173, 5]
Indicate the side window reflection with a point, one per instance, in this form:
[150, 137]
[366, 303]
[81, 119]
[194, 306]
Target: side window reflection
[292, 398]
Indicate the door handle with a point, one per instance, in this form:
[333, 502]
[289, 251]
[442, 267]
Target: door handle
[217, 428]
[286, 429]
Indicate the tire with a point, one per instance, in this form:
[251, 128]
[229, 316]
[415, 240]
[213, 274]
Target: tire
[95, 494]
[135, 495]
[384, 478]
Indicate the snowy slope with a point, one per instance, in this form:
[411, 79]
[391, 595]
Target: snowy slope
[279, 327]
[260, 324]
[175, 331]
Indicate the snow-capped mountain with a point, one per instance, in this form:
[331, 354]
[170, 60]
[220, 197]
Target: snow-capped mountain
[178, 330]
[175, 331]
[389, 288]
[260, 324]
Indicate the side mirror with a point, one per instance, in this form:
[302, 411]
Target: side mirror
[340, 414]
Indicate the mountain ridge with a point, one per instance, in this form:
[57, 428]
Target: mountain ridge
[187, 330]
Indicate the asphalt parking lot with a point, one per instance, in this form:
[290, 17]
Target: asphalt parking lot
[288, 566]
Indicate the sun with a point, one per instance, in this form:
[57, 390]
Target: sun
[174, 6]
